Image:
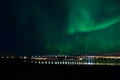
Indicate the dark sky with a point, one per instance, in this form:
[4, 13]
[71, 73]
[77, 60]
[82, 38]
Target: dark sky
[34, 27]
[25, 25]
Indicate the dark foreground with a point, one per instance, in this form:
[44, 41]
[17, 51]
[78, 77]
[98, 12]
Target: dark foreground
[18, 70]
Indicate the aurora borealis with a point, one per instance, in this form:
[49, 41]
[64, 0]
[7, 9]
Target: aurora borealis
[83, 17]
[70, 27]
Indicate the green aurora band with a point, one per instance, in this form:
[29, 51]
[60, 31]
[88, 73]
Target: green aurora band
[93, 27]
[82, 17]
[70, 27]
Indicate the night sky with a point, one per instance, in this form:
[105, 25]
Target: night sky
[70, 27]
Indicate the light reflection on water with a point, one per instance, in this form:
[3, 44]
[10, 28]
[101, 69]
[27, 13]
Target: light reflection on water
[75, 62]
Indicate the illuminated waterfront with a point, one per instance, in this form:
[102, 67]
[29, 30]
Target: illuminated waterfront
[67, 60]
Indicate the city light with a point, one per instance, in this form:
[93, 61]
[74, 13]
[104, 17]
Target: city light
[12, 57]
[24, 57]
[2, 57]
[67, 60]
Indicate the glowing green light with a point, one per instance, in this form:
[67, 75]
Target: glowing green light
[82, 18]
